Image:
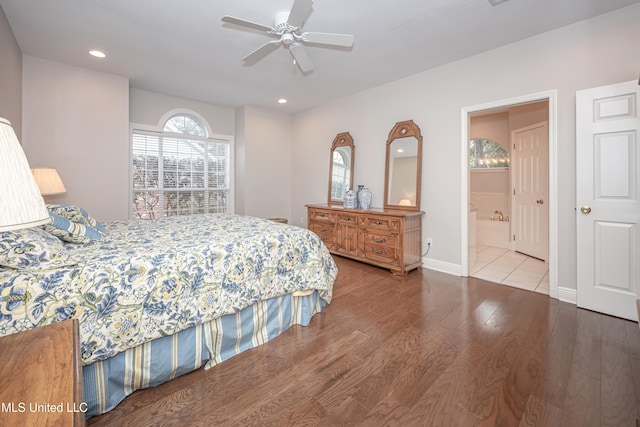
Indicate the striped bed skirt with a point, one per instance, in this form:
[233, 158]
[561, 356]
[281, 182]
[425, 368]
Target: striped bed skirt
[108, 382]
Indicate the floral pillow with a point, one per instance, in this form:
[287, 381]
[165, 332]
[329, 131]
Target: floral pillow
[32, 249]
[76, 214]
[71, 231]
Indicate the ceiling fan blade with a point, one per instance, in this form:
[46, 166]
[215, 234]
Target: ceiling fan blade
[329, 38]
[299, 12]
[261, 52]
[301, 57]
[245, 23]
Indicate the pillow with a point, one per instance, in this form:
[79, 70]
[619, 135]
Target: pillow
[71, 231]
[76, 214]
[32, 249]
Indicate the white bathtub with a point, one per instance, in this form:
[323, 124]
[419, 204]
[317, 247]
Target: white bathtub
[492, 233]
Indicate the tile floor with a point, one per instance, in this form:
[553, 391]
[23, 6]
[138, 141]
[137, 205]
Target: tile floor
[503, 266]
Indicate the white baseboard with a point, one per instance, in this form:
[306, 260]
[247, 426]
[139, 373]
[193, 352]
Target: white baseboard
[442, 266]
[567, 295]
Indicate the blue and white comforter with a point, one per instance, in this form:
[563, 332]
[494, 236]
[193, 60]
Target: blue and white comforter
[149, 279]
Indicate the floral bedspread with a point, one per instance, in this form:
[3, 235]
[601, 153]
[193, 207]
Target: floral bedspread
[149, 279]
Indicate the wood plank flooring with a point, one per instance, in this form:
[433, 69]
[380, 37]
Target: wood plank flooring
[428, 349]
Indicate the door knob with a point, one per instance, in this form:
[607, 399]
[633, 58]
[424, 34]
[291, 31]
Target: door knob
[585, 209]
[540, 201]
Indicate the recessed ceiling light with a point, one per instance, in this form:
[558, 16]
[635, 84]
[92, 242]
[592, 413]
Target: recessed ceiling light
[496, 2]
[97, 53]
[282, 101]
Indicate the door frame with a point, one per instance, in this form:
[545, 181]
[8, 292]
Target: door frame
[551, 97]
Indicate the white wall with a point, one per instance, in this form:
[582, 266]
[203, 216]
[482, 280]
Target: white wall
[527, 114]
[263, 157]
[494, 127]
[240, 167]
[148, 108]
[591, 53]
[10, 77]
[77, 121]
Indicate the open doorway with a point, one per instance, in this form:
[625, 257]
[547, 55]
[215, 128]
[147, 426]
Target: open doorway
[509, 192]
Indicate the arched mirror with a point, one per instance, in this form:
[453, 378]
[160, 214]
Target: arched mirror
[403, 170]
[340, 167]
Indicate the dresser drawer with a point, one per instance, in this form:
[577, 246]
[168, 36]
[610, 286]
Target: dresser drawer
[348, 218]
[324, 230]
[382, 223]
[379, 239]
[320, 215]
[379, 246]
[386, 254]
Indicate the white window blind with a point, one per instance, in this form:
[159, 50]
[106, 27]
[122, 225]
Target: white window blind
[178, 175]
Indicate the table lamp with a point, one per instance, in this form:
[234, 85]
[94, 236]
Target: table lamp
[21, 205]
[48, 180]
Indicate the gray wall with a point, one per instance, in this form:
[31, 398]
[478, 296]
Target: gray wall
[77, 121]
[10, 76]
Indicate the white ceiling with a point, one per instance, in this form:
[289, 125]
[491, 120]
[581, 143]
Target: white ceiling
[182, 48]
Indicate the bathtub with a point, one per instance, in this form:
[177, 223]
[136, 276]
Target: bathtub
[492, 233]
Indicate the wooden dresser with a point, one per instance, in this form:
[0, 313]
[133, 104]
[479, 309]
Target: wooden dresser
[41, 377]
[387, 238]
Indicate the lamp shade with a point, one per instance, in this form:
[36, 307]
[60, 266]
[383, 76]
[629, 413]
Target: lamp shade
[48, 181]
[21, 205]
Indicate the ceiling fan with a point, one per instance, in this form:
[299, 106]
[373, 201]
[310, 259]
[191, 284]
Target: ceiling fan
[286, 28]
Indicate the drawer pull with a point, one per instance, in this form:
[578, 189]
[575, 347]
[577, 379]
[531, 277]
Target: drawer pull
[379, 252]
[347, 218]
[323, 229]
[382, 240]
[321, 215]
[323, 238]
[378, 223]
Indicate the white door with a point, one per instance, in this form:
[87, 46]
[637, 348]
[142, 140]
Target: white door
[530, 180]
[608, 198]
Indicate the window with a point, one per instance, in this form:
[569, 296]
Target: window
[179, 171]
[185, 125]
[484, 153]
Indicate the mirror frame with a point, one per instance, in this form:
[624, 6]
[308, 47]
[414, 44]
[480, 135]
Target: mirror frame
[402, 130]
[343, 139]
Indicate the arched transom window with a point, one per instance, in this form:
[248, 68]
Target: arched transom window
[185, 125]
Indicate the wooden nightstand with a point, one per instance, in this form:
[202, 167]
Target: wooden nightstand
[41, 377]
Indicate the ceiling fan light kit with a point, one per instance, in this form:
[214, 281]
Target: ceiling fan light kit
[286, 28]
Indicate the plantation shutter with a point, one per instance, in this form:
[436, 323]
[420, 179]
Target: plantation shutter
[176, 174]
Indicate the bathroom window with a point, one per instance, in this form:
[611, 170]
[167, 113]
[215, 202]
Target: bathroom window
[484, 154]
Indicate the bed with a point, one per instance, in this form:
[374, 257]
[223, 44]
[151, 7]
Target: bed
[157, 299]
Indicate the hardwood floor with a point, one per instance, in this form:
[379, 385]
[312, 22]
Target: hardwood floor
[428, 349]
